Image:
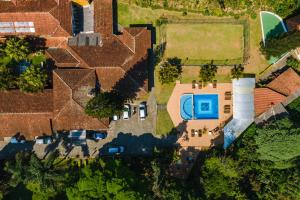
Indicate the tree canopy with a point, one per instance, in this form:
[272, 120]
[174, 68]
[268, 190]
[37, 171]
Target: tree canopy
[104, 105]
[112, 180]
[280, 45]
[208, 72]
[170, 70]
[16, 48]
[33, 79]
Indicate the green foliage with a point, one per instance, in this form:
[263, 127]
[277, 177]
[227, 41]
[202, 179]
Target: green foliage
[38, 58]
[104, 105]
[33, 79]
[170, 70]
[39, 176]
[16, 48]
[278, 142]
[220, 179]
[276, 47]
[292, 62]
[208, 72]
[6, 78]
[110, 181]
[237, 72]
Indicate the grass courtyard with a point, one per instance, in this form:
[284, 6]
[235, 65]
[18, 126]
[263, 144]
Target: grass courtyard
[204, 42]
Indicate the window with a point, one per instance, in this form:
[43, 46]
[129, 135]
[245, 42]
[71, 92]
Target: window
[17, 27]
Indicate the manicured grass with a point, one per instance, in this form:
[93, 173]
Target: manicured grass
[204, 41]
[164, 124]
[257, 61]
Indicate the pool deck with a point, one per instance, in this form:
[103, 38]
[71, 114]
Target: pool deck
[185, 127]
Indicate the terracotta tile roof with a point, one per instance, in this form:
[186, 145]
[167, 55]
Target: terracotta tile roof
[134, 31]
[73, 77]
[103, 16]
[69, 113]
[293, 22]
[15, 101]
[28, 125]
[109, 76]
[49, 18]
[112, 54]
[27, 6]
[62, 57]
[286, 83]
[264, 98]
[73, 117]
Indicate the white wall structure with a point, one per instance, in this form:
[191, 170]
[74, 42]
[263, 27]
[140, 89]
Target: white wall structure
[243, 109]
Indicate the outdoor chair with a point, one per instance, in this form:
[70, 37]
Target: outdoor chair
[215, 84]
[227, 95]
[193, 84]
[227, 109]
[200, 85]
[193, 133]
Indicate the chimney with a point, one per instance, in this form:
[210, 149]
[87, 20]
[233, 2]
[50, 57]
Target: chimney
[105, 12]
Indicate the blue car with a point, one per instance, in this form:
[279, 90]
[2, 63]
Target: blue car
[99, 135]
[116, 150]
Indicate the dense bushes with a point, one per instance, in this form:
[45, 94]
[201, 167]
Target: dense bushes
[21, 68]
[234, 8]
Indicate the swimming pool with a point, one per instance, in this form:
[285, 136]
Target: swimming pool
[200, 106]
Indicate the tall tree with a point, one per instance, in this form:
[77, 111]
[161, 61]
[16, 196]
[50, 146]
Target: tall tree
[221, 179]
[278, 46]
[104, 105]
[169, 71]
[237, 71]
[41, 177]
[112, 180]
[208, 72]
[33, 79]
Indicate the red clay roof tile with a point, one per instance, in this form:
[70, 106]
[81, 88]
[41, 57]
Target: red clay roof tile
[264, 98]
[286, 83]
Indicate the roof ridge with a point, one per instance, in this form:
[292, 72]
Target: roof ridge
[84, 77]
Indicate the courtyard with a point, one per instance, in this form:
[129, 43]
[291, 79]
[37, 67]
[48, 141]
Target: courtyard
[190, 129]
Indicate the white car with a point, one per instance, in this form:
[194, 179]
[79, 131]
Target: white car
[116, 150]
[142, 111]
[115, 117]
[126, 112]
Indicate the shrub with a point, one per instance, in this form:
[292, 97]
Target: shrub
[292, 62]
[33, 79]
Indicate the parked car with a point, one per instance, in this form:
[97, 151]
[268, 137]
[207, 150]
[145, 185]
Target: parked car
[99, 135]
[115, 117]
[142, 111]
[15, 140]
[44, 140]
[116, 150]
[126, 111]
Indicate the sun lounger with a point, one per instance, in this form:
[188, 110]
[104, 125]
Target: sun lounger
[227, 95]
[215, 84]
[193, 84]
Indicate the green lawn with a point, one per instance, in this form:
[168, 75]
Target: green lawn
[164, 124]
[205, 41]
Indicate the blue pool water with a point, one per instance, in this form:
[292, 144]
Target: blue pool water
[201, 106]
[186, 106]
[206, 106]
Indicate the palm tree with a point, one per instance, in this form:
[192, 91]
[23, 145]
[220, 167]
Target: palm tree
[208, 72]
[237, 71]
[28, 168]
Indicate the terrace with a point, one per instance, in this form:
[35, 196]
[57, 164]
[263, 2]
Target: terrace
[201, 130]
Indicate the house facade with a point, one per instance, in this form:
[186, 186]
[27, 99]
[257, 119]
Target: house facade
[90, 52]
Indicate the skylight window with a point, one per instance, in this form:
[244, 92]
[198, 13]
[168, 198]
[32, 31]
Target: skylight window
[17, 27]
